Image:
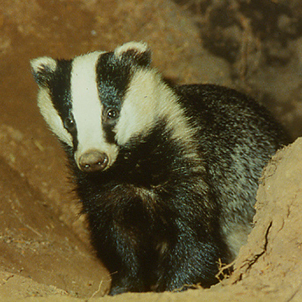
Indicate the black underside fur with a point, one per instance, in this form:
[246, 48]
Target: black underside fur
[155, 222]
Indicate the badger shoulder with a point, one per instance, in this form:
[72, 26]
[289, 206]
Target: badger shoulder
[226, 110]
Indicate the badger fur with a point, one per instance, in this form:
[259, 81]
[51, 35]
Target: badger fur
[167, 175]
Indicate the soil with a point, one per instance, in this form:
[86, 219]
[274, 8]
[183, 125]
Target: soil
[255, 47]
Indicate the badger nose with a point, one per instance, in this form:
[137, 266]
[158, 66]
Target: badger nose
[92, 161]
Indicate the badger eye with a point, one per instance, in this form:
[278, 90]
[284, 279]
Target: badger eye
[69, 124]
[112, 113]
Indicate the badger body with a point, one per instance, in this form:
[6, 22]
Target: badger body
[167, 175]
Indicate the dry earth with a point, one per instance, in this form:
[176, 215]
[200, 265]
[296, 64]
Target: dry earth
[44, 248]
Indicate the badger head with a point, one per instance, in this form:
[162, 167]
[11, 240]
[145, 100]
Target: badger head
[97, 102]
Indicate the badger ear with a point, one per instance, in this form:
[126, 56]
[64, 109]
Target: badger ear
[43, 69]
[135, 52]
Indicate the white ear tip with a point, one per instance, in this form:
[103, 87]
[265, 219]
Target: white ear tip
[138, 46]
[42, 62]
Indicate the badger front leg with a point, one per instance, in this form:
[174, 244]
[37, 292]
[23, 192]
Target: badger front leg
[118, 251]
[126, 278]
[125, 281]
[189, 263]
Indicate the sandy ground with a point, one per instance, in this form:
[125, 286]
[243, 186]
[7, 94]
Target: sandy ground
[44, 248]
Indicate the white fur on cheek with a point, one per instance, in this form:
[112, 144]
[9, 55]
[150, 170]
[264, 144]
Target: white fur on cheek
[52, 117]
[87, 108]
[139, 107]
[147, 101]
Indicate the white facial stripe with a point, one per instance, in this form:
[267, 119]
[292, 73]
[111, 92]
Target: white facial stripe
[52, 117]
[147, 100]
[50, 114]
[87, 108]
[139, 107]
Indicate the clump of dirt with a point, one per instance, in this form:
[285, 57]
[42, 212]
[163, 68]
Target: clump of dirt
[45, 250]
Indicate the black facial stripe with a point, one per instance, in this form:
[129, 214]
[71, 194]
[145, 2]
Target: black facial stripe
[59, 87]
[109, 133]
[60, 90]
[113, 78]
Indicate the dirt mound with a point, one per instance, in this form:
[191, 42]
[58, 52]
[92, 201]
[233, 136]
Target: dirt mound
[270, 264]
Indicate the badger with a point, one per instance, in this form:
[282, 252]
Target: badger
[166, 174]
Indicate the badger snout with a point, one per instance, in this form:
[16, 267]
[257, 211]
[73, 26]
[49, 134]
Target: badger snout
[92, 161]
